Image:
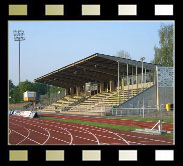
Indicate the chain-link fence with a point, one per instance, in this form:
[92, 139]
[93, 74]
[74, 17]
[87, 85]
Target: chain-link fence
[47, 99]
[146, 112]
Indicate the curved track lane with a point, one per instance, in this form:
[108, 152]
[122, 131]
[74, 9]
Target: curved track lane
[44, 132]
[125, 122]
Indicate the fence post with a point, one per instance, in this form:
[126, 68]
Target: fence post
[148, 110]
[143, 111]
[140, 111]
[159, 126]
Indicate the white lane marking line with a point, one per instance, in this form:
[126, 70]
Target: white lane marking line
[53, 130]
[114, 134]
[134, 136]
[45, 130]
[108, 132]
[81, 129]
[93, 135]
[60, 132]
[43, 133]
[114, 121]
[102, 131]
[121, 138]
[146, 138]
[136, 143]
[48, 136]
[40, 132]
[129, 135]
[27, 138]
[69, 134]
[104, 144]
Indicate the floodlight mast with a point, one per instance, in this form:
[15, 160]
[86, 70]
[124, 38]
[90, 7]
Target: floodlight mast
[19, 36]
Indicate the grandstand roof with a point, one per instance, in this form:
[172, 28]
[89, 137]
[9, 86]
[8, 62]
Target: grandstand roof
[97, 67]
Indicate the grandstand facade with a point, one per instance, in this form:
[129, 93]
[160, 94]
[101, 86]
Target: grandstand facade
[106, 81]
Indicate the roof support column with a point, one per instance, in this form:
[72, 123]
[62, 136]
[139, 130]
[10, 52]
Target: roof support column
[154, 77]
[127, 80]
[157, 90]
[77, 90]
[101, 87]
[122, 83]
[66, 91]
[118, 85]
[111, 85]
[72, 91]
[145, 76]
[132, 80]
[107, 86]
[136, 78]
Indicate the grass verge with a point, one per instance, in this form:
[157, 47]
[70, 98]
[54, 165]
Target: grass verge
[110, 126]
[103, 125]
[140, 119]
[167, 135]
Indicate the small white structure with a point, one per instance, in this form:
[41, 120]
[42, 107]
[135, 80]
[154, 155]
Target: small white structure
[29, 96]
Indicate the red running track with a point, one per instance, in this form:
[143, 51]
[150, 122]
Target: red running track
[43, 132]
[134, 123]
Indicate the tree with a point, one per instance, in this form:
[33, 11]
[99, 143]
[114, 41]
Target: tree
[11, 88]
[16, 92]
[25, 86]
[39, 88]
[55, 89]
[123, 54]
[164, 54]
[16, 97]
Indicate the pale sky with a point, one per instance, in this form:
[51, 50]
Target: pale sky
[50, 45]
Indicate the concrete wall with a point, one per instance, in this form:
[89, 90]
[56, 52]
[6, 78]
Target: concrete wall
[150, 100]
[135, 86]
[166, 95]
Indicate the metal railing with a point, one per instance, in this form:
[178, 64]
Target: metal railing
[147, 112]
[53, 97]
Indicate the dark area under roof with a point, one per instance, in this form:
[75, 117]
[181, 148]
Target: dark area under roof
[97, 67]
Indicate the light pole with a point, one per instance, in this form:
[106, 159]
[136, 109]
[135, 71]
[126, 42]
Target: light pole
[142, 59]
[19, 36]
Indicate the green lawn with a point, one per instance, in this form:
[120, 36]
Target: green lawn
[141, 119]
[109, 126]
[167, 135]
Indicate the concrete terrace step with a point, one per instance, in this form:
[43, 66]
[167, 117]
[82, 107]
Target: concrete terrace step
[84, 113]
[100, 99]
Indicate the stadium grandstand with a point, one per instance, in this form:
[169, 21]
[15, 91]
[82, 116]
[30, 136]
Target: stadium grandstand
[98, 83]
